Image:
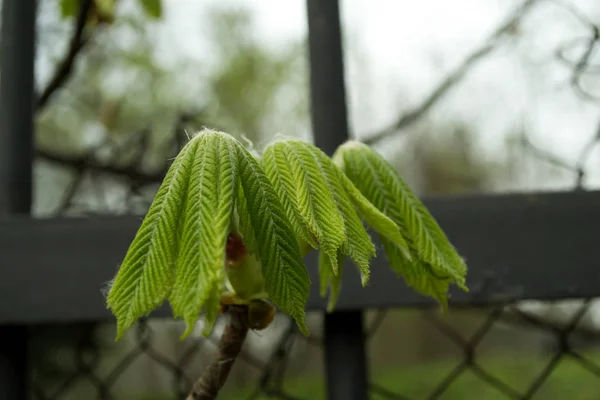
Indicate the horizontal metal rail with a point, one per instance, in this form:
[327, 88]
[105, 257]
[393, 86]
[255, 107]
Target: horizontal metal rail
[518, 246]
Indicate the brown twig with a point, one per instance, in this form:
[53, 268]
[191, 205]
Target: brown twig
[455, 77]
[132, 172]
[544, 155]
[578, 168]
[213, 378]
[129, 172]
[69, 195]
[584, 156]
[78, 40]
[582, 65]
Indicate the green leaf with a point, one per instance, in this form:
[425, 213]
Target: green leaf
[322, 201]
[286, 279]
[377, 220]
[330, 280]
[418, 274]
[278, 169]
[436, 263]
[68, 8]
[147, 272]
[357, 244]
[244, 222]
[152, 8]
[303, 186]
[203, 235]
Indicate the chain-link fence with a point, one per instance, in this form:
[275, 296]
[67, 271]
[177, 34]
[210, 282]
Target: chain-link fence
[511, 352]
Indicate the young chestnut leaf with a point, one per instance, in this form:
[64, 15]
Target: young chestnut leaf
[285, 180]
[357, 245]
[286, 279]
[327, 203]
[303, 188]
[203, 235]
[243, 223]
[147, 272]
[278, 207]
[436, 263]
[377, 220]
[213, 185]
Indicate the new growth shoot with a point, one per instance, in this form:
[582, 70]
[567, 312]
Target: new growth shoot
[228, 230]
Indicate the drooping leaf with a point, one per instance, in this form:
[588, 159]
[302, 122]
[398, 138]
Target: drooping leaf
[302, 184]
[357, 243]
[152, 8]
[436, 263]
[279, 171]
[418, 274]
[330, 280]
[286, 279]
[377, 220]
[206, 225]
[147, 272]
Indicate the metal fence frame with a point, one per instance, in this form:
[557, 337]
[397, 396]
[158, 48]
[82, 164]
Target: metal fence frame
[520, 246]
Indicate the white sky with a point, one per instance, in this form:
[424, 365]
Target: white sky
[408, 46]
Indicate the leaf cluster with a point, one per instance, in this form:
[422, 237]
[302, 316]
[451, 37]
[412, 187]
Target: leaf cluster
[290, 200]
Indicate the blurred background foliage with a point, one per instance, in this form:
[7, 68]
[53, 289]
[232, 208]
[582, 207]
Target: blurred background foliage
[122, 92]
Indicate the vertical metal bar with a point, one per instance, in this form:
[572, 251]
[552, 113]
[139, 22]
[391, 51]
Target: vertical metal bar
[346, 364]
[345, 359]
[17, 49]
[327, 91]
[17, 59]
[13, 363]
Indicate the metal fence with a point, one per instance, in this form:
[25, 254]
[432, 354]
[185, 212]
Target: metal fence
[466, 374]
[51, 311]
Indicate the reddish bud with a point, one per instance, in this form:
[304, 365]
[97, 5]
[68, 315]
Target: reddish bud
[235, 251]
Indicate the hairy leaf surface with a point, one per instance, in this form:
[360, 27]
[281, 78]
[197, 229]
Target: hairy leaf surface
[357, 244]
[376, 219]
[279, 171]
[244, 222]
[286, 279]
[290, 165]
[418, 274]
[437, 263]
[203, 237]
[147, 272]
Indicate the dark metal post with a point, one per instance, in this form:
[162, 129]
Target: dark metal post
[345, 359]
[16, 105]
[17, 60]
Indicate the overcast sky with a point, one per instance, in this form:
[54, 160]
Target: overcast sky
[408, 46]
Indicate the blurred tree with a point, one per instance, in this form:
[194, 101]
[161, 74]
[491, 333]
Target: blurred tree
[121, 105]
[254, 90]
